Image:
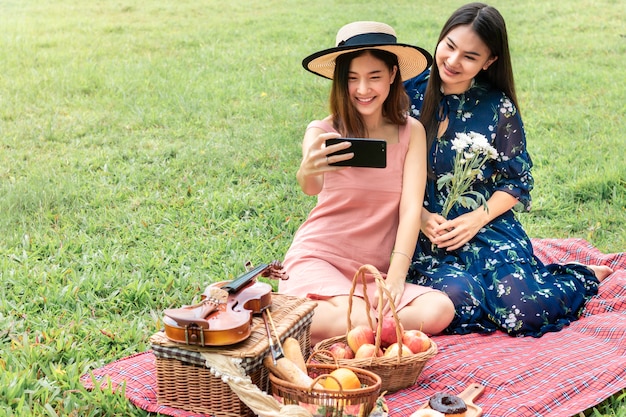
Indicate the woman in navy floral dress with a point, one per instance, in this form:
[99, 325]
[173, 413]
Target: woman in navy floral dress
[482, 258]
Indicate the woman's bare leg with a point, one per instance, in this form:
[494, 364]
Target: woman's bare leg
[431, 313]
[331, 317]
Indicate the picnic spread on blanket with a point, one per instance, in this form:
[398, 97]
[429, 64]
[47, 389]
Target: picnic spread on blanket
[559, 374]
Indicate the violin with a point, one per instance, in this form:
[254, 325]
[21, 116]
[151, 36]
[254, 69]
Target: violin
[224, 314]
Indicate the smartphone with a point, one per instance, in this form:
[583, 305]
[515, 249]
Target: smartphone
[368, 153]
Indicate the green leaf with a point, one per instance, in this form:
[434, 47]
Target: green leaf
[444, 179]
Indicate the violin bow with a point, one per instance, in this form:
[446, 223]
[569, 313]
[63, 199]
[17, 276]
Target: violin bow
[275, 347]
[273, 270]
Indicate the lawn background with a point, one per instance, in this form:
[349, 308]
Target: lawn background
[149, 148]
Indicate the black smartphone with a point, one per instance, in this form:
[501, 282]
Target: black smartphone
[368, 153]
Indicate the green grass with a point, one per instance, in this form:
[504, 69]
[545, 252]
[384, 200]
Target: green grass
[149, 148]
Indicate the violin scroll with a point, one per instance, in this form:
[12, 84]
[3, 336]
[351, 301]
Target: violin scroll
[275, 270]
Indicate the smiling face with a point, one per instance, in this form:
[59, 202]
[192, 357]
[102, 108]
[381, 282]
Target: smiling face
[369, 82]
[460, 56]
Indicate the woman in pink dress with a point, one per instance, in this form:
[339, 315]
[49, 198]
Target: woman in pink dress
[364, 215]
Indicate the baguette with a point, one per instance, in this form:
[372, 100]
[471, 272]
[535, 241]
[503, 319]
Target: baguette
[291, 348]
[287, 370]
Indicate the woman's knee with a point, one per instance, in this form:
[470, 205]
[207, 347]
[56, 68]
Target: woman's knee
[331, 317]
[431, 312]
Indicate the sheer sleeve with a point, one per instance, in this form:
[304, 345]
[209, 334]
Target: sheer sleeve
[513, 167]
[416, 87]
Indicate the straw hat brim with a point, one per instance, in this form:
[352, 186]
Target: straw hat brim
[412, 60]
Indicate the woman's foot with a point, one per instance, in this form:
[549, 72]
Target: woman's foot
[601, 271]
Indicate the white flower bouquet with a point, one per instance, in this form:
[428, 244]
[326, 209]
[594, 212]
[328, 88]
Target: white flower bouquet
[472, 151]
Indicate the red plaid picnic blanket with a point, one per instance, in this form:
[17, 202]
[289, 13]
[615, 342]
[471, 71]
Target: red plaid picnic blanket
[559, 374]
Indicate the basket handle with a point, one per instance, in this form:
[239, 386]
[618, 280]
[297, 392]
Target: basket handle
[383, 293]
[323, 352]
[325, 376]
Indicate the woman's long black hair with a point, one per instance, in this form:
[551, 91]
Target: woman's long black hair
[489, 25]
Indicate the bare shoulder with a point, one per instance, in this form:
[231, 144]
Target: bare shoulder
[320, 125]
[418, 133]
[415, 124]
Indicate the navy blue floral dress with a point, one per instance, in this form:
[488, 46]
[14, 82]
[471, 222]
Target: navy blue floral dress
[495, 280]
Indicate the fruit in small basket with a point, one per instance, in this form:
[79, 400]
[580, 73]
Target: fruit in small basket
[358, 336]
[368, 350]
[341, 350]
[344, 376]
[388, 334]
[392, 350]
[416, 340]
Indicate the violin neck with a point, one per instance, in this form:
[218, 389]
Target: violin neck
[243, 280]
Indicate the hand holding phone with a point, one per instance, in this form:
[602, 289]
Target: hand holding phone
[368, 153]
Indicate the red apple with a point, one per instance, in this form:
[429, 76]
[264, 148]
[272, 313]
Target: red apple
[393, 349]
[416, 340]
[388, 334]
[341, 350]
[358, 336]
[368, 350]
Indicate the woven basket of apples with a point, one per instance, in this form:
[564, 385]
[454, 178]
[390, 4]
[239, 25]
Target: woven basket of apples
[398, 356]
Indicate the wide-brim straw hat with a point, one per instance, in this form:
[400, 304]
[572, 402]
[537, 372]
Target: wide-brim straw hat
[357, 36]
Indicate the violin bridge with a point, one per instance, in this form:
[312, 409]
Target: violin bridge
[216, 296]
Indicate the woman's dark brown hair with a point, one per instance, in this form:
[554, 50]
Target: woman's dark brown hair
[346, 119]
[489, 25]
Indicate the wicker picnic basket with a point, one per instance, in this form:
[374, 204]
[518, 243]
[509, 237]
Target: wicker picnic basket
[185, 382]
[395, 372]
[329, 403]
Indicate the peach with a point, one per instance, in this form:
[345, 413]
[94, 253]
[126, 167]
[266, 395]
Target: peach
[394, 348]
[368, 350]
[358, 336]
[416, 340]
[341, 350]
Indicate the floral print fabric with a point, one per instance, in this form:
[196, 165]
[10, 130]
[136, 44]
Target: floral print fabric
[495, 280]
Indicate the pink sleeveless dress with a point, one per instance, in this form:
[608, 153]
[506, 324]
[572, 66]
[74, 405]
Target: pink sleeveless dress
[354, 223]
